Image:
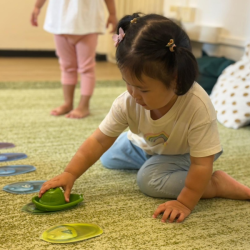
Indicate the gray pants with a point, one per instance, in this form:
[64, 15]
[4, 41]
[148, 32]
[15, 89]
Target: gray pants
[160, 176]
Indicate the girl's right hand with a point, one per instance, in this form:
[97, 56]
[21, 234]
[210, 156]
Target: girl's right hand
[65, 180]
[34, 16]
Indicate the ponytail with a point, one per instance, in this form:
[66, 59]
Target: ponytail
[186, 70]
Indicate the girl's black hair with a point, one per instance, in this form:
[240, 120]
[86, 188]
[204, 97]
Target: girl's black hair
[143, 51]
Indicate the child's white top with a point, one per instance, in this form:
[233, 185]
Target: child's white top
[190, 126]
[75, 17]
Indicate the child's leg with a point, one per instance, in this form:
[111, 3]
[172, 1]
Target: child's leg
[124, 155]
[85, 49]
[163, 176]
[68, 64]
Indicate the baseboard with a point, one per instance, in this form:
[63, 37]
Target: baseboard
[39, 53]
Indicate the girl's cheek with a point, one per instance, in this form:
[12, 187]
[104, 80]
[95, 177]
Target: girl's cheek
[129, 90]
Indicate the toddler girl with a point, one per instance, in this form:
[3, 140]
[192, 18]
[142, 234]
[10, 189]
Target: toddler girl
[76, 25]
[173, 138]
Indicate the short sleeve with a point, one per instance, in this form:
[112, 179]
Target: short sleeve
[203, 135]
[115, 121]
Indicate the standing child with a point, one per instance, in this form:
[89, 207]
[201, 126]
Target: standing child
[76, 25]
[173, 138]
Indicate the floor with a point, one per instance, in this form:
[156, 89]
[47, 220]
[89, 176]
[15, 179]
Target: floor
[46, 69]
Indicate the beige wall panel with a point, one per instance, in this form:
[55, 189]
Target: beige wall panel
[16, 30]
[18, 34]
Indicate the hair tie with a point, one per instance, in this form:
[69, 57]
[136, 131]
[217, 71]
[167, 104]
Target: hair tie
[134, 20]
[117, 38]
[171, 45]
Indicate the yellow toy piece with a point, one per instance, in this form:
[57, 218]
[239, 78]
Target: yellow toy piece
[68, 233]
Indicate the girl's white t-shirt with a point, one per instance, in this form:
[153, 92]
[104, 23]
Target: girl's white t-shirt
[190, 126]
[75, 17]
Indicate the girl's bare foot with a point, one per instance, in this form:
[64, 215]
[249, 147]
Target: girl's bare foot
[61, 110]
[227, 187]
[82, 110]
[78, 113]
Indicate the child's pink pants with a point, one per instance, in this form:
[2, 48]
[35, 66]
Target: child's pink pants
[77, 54]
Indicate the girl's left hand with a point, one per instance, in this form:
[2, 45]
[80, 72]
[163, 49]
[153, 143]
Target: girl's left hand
[172, 210]
[112, 20]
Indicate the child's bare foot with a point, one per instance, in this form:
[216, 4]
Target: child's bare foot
[61, 110]
[227, 187]
[78, 113]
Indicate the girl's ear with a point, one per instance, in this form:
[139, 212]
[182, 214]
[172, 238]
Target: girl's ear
[174, 84]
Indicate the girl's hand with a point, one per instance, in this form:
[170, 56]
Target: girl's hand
[65, 180]
[34, 16]
[172, 210]
[113, 21]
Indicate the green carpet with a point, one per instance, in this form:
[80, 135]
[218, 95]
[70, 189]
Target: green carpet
[112, 198]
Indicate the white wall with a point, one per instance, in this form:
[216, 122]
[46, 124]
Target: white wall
[232, 16]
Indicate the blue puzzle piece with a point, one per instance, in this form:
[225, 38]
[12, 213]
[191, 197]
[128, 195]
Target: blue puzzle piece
[12, 156]
[26, 187]
[16, 170]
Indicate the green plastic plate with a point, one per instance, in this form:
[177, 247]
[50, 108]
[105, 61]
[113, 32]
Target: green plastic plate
[31, 208]
[68, 233]
[74, 200]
